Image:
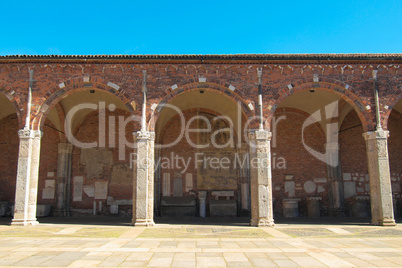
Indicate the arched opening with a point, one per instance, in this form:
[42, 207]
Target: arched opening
[395, 155]
[86, 156]
[307, 168]
[200, 157]
[353, 159]
[9, 154]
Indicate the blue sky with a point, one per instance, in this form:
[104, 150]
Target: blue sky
[200, 27]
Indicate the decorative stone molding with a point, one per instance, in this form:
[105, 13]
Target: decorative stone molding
[27, 133]
[145, 135]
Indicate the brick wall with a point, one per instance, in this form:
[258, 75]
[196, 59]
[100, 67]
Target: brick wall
[300, 166]
[351, 81]
[56, 79]
[8, 157]
[48, 161]
[103, 165]
[206, 176]
[395, 156]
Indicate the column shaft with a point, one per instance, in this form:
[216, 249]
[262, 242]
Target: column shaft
[380, 180]
[143, 186]
[261, 178]
[336, 204]
[63, 179]
[27, 178]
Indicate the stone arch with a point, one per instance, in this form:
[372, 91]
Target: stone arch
[170, 94]
[7, 91]
[341, 89]
[74, 85]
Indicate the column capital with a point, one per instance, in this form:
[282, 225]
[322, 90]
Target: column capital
[378, 134]
[262, 135]
[145, 135]
[202, 195]
[28, 133]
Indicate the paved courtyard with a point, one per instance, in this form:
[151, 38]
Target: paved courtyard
[203, 245]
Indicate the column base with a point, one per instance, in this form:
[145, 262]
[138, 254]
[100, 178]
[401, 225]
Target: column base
[263, 222]
[143, 222]
[384, 222]
[24, 222]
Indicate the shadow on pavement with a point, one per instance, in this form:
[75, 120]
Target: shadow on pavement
[235, 221]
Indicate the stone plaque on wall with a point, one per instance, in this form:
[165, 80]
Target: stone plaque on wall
[48, 191]
[290, 188]
[217, 171]
[89, 190]
[77, 193]
[189, 182]
[100, 190]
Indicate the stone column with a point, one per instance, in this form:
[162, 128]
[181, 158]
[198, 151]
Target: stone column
[336, 204]
[143, 200]
[202, 195]
[63, 179]
[261, 178]
[382, 212]
[27, 178]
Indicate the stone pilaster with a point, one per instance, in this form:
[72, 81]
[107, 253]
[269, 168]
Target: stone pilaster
[143, 192]
[63, 179]
[27, 178]
[382, 212]
[261, 178]
[336, 204]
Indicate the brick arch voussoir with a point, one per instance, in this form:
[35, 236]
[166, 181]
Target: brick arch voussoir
[7, 91]
[221, 88]
[341, 89]
[72, 86]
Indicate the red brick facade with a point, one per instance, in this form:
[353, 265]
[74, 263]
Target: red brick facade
[348, 77]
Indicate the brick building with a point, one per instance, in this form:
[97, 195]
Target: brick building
[174, 135]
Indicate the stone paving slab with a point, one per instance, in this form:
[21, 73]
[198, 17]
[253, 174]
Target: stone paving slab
[282, 246]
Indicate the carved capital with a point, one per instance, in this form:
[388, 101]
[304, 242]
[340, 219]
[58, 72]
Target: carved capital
[378, 134]
[27, 133]
[202, 195]
[259, 135]
[144, 135]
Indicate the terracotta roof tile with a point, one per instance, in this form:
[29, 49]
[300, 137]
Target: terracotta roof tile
[225, 57]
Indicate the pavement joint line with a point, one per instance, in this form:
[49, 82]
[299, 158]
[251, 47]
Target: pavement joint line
[339, 231]
[69, 230]
[133, 233]
[275, 232]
